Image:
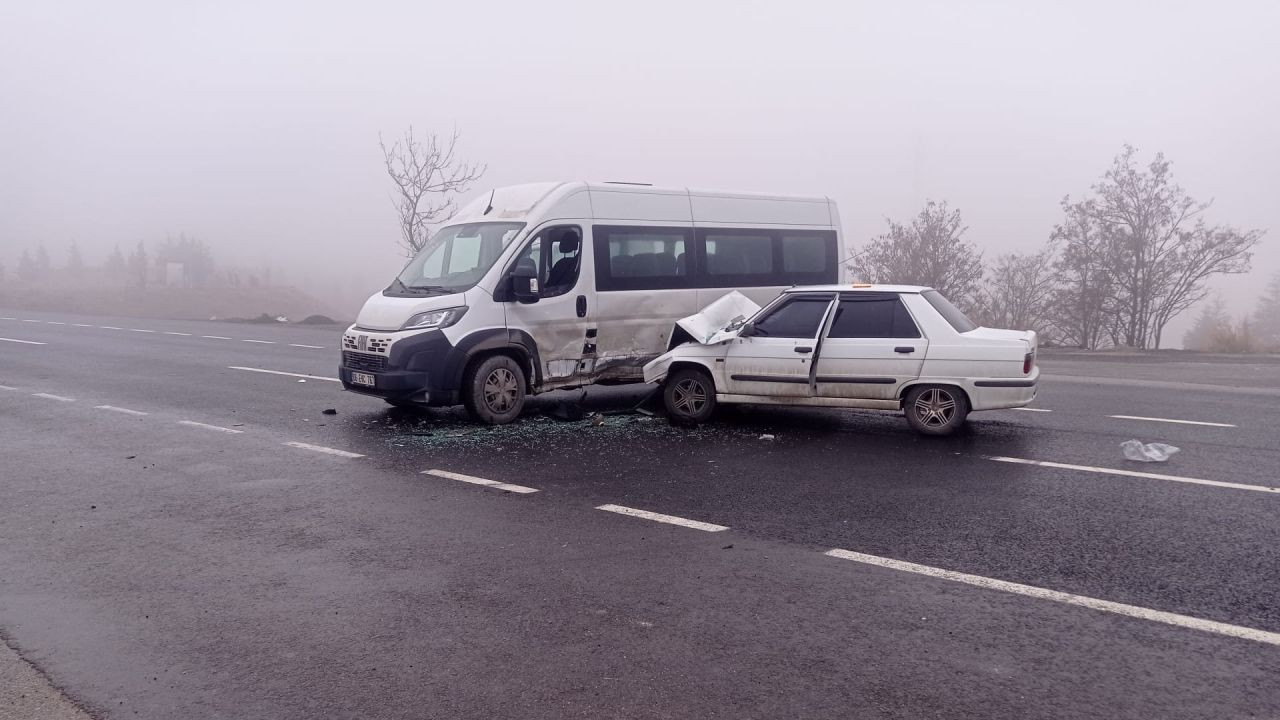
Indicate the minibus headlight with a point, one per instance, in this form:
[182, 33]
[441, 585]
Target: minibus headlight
[433, 319]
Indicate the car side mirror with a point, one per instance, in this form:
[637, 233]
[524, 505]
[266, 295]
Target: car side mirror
[747, 330]
[524, 281]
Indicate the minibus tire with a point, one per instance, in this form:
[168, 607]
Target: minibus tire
[494, 390]
[683, 409]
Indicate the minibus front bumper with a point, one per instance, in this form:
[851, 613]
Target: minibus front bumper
[395, 385]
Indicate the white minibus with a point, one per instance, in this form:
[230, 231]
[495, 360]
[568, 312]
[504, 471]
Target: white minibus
[556, 285]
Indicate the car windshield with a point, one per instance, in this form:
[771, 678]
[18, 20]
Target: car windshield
[455, 258]
[951, 313]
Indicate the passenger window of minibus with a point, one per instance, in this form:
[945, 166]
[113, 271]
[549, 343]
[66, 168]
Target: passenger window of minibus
[739, 254]
[804, 253]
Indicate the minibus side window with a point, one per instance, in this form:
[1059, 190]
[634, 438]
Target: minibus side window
[642, 258]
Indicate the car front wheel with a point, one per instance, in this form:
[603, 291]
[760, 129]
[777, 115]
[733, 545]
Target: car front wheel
[936, 410]
[689, 396]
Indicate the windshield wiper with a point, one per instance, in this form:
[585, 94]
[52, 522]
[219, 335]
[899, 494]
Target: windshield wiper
[431, 288]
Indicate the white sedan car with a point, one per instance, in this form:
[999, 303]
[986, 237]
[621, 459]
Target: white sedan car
[884, 347]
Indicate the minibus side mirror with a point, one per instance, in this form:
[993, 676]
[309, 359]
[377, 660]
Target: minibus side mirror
[524, 281]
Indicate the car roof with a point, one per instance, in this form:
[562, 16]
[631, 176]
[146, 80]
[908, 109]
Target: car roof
[859, 287]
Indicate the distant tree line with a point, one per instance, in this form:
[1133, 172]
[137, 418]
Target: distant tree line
[189, 257]
[1125, 260]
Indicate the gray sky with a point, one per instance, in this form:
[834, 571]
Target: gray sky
[254, 125]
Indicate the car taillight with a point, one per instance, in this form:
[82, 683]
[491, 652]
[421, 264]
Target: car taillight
[1028, 362]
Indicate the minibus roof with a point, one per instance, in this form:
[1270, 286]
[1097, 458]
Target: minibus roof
[537, 202]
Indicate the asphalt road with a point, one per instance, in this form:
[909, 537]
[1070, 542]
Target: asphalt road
[195, 561]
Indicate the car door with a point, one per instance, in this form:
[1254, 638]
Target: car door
[775, 358]
[870, 349]
[559, 320]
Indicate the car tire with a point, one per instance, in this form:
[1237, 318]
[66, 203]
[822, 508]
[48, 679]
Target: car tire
[936, 409]
[689, 396]
[494, 390]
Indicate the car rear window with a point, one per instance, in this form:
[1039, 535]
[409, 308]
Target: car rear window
[951, 313]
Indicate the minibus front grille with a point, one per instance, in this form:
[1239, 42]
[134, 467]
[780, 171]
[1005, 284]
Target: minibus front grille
[360, 361]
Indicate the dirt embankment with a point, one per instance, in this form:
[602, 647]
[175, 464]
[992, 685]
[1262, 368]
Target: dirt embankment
[170, 302]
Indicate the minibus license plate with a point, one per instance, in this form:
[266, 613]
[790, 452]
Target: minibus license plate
[361, 379]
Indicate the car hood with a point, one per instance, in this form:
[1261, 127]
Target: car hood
[721, 320]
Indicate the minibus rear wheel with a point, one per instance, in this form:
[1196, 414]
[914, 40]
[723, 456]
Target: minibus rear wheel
[494, 390]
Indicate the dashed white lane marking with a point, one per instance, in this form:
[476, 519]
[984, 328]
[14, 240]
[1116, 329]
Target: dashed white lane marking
[48, 396]
[311, 347]
[325, 450]
[659, 517]
[480, 481]
[1170, 420]
[24, 342]
[169, 332]
[219, 428]
[25, 320]
[140, 330]
[113, 408]
[1168, 618]
[7, 387]
[1032, 409]
[82, 325]
[1135, 473]
[261, 342]
[54, 322]
[214, 337]
[7, 318]
[281, 372]
[110, 327]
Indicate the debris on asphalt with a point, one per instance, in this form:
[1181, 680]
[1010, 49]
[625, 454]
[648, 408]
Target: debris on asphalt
[329, 411]
[130, 457]
[302, 380]
[767, 436]
[597, 419]
[1137, 451]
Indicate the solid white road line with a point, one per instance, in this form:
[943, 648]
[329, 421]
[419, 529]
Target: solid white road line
[1135, 473]
[481, 481]
[113, 408]
[1133, 611]
[1032, 409]
[1169, 420]
[140, 330]
[281, 372]
[261, 342]
[47, 396]
[312, 347]
[214, 337]
[219, 428]
[659, 517]
[167, 332]
[24, 342]
[325, 450]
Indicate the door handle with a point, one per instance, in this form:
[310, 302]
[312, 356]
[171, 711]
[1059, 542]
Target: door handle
[582, 306]
[804, 349]
[904, 349]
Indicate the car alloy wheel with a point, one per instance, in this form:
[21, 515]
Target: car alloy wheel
[689, 397]
[935, 408]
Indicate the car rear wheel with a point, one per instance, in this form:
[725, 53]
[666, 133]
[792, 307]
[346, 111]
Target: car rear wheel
[494, 392]
[936, 409]
[689, 396]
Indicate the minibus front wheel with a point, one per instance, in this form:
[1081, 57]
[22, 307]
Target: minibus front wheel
[494, 390]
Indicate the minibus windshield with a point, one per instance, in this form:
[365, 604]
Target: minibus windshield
[454, 259]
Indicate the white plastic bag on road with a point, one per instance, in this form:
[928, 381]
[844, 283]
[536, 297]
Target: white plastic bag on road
[1150, 452]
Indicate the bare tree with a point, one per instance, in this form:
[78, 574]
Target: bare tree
[1266, 318]
[930, 251]
[426, 175]
[1020, 292]
[1157, 249]
[1080, 303]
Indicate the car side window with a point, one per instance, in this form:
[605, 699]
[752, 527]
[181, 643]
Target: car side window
[557, 254]
[798, 318]
[873, 318]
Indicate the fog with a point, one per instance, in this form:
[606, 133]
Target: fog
[255, 126]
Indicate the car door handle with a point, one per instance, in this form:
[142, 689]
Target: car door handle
[582, 306]
[904, 349]
[804, 349]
